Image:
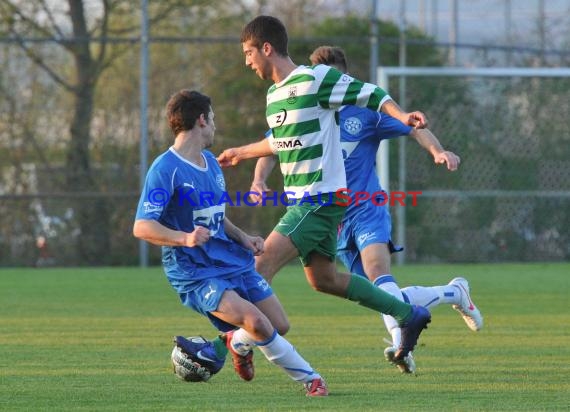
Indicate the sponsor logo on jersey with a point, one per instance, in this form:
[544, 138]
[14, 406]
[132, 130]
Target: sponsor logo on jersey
[287, 144]
[281, 117]
[150, 207]
[210, 217]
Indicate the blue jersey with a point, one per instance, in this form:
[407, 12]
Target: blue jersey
[361, 131]
[181, 195]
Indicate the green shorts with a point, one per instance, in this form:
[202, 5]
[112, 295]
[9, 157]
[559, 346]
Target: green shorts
[312, 228]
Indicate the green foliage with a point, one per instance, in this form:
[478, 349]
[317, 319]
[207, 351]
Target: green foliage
[100, 339]
[502, 131]
[352, 33]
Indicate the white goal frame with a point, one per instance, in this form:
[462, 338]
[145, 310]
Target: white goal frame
[382, 157]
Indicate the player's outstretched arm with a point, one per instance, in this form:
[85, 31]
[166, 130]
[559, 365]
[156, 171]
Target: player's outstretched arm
[263, 169]
[234, 155]
[415, 119]
[158, 234]
[430, 143]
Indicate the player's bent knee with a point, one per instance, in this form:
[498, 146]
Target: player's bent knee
[282, 327]
[258, 324]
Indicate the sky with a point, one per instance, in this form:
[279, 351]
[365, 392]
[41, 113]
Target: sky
[480, 21]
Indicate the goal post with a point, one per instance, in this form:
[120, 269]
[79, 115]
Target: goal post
[385, 74]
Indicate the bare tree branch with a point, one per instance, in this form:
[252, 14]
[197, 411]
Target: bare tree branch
[16, 11]
[41, 63]
[159, 16]
[51, 18]
[32, 55]
[103, 42]
[27, 132]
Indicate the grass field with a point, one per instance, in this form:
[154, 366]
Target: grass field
[100, 339]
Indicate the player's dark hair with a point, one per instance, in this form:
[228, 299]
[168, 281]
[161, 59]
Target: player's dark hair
[331, 56]
[184, 109]
[268, 29]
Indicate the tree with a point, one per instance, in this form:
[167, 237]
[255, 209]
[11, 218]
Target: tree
[84, 36]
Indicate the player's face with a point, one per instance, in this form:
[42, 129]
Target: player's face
[256, 60]
[209, 130]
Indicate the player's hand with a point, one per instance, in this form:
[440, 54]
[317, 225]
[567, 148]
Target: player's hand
[229, 157]
[257, 190]
[449, 158]
[197, 237]
[255, 244]
[417, 120]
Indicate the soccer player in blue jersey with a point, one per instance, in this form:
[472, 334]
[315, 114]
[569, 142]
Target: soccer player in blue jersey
[301, 112]
[208, 260]
[364, 237]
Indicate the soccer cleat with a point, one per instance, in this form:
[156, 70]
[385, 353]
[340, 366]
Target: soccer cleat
[201, 351]
[243, 364]
[316, 387]
[405, 365]
[411, 331]
[467, 308]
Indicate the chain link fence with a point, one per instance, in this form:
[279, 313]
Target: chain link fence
[510, 198]
[512, 135]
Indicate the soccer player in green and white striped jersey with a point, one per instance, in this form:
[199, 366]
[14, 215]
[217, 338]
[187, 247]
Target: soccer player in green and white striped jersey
[301, 113]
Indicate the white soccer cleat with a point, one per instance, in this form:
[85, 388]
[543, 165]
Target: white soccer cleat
[405, 365]
[467, 308]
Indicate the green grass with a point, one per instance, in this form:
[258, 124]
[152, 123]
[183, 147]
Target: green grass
[100, 339]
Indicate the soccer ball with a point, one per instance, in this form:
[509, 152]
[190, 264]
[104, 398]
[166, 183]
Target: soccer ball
[187, 369]
[194, 359]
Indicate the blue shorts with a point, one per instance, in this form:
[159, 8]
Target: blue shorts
[205, 295]
[364, 225]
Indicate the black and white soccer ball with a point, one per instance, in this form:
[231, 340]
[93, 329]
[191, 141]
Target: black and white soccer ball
[187, 369]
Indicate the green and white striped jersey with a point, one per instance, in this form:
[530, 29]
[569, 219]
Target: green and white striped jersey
[304, 132]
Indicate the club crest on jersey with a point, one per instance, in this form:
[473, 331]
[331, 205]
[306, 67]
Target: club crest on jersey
[220, 181]
[352, 125]
[292, 95]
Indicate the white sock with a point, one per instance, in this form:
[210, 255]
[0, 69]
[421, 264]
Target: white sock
[280, 352]
[388, 284]
[432, 296]
[242, 342]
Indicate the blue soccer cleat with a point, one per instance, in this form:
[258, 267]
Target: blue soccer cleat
[201, 351]
[411, 331]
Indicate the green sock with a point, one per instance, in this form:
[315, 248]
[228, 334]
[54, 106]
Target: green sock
[363, 292]
[220, 347]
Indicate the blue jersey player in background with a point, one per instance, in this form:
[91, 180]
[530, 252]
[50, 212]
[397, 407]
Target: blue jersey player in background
[364, 237]
[208, 260]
